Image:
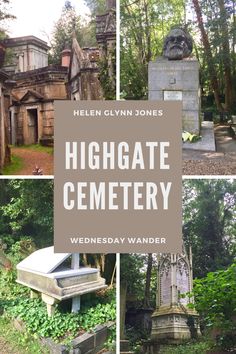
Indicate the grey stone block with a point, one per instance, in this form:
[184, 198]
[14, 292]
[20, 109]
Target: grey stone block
[101, 337]
[176, 75]
[85, 343]
[54, 347]
[75, 351]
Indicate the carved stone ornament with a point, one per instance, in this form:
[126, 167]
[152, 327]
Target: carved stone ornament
[178, 44]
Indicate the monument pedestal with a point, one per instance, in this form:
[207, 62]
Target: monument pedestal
[170, 324]
[177, 80]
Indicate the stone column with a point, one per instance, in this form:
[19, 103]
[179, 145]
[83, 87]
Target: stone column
[76, 299]
[13, 126]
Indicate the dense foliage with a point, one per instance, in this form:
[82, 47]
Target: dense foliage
[216, 303]
[68, 24]
[209, 213]
[26, 209]
[144, 24]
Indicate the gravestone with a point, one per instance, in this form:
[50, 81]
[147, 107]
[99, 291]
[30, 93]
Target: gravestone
[169, 320]
[175, 77]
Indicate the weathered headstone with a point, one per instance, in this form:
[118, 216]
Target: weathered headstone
[175, 77]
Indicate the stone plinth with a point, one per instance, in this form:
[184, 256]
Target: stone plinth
[169, 324]
[177, 80]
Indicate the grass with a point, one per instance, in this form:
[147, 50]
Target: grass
[17, 162]
[16, 165]
[15, 342]
[201, 346]
[36, 147]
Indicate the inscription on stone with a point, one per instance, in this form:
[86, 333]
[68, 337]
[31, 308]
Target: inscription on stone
[173, 95]
[165, 288]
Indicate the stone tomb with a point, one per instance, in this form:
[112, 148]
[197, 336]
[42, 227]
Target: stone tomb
[177, 80]
[169, 321]
[56, 279]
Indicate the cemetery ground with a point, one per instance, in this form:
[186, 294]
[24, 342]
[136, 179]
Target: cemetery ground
[220, 162]
[24, 160]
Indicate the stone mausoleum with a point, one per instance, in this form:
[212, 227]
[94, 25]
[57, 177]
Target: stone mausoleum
[37, 86]
[29, 86]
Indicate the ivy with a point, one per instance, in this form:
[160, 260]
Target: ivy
[33, 313]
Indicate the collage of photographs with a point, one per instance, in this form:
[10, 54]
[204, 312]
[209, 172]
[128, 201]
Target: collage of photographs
[107, 303]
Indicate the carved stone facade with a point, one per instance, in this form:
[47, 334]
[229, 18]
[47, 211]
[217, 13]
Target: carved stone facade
[169, 321]
[106, 39]
[27, 53]
[28, 102]
[31, 104]
[32, 109]
[83, 82]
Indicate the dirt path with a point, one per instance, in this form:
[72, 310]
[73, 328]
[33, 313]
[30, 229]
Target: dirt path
[221, 162]
[31, 159]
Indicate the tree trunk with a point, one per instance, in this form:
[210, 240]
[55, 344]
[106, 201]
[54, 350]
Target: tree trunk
[209, 57]
[226, 57]
[148, 282]
[147, 34]
[123, 293]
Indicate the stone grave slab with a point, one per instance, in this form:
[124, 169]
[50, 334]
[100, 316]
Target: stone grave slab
[43, 260]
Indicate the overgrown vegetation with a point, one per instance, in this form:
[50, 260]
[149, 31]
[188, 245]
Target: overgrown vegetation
[15, 302]
[26, 223]
[209, 213]
[216, 304]
[62, 326]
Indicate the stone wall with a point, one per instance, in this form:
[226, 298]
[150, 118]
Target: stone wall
[33, 104]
